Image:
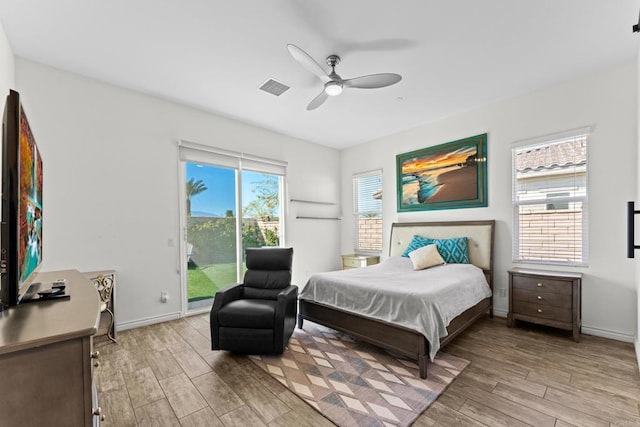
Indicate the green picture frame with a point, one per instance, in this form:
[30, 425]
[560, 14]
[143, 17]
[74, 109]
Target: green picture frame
[452, 175]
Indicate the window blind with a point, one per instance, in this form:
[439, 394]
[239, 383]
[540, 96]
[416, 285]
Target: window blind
[199, 153]
[367, 205]
[368, 192]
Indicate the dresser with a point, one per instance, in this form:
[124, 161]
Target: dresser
[47, 357]
[357, 261]
[551, 298]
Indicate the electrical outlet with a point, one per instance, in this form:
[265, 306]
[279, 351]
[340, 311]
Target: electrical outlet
[164, 296]
[502, 293]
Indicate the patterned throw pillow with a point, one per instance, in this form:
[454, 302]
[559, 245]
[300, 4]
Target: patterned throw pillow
[454, 251]
[416, 243]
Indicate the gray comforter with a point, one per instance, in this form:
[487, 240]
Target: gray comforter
[424, 301]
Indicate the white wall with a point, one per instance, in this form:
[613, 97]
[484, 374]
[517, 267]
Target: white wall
[111, 184]
[7, 67]
[607, 102]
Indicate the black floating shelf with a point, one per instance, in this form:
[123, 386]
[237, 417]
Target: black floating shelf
[313, 202]
[318, 217]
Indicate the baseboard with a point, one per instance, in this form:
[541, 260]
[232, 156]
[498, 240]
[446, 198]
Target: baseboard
[604, 333]
[637, 346]
[500, 313]
[198, 311]
[147, 321]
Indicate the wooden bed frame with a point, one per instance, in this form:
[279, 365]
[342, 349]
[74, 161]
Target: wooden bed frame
[397, 338]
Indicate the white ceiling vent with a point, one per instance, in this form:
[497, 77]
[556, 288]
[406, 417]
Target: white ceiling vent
[274, 87]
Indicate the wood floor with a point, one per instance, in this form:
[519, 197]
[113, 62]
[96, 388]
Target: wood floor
[166, 375]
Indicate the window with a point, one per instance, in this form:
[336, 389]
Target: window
[553, 205]
[367, 202]
[550, 199]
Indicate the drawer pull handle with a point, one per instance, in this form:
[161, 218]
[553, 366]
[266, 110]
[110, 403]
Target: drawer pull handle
[539, 310]
[539, 297]
[539, 285]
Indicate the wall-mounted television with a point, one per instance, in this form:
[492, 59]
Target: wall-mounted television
[21, 228]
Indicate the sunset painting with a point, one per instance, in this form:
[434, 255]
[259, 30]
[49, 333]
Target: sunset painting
[445, 176]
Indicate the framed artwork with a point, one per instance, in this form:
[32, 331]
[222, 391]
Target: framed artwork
[446, 176]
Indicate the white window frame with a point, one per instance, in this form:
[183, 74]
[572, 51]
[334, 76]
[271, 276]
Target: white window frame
[199, 153]
[540, 142]
[356, 213]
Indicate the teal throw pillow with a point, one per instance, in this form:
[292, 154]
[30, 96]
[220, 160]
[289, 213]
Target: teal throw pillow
[453, 251]
[416, 243]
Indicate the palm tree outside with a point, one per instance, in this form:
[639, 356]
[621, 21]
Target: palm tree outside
[194, 187]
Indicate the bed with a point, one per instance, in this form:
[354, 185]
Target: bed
[399, 338]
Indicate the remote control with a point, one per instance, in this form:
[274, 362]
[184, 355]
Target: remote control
[49, 292]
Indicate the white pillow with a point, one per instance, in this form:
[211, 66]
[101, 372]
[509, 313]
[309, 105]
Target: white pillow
[425, 257]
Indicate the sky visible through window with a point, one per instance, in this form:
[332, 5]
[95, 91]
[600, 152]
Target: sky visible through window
[220, 194]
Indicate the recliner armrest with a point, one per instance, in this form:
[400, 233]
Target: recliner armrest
[287, 303]
[228, 294]
[286, 310]
[290, 291]
[222, 297]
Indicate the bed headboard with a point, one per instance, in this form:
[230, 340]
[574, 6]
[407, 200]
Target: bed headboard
[478, 233]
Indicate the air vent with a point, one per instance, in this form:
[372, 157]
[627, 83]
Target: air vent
[274, 87]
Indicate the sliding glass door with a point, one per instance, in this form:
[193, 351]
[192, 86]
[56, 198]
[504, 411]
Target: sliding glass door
[227, 209]
[211, 231]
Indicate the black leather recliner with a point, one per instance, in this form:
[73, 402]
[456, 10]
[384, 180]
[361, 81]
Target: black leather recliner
[259, 315]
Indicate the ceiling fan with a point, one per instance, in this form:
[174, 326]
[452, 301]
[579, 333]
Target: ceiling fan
[333, 83]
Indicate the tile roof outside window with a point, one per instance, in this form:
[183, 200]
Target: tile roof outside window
[563, 154]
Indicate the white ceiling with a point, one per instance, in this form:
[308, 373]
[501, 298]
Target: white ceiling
[453, 55]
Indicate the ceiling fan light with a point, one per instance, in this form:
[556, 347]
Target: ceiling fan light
[333, 88]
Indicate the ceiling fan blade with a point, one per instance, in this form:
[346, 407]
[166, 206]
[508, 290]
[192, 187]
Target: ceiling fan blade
[317, 101]
[373, 81]
[308, 62]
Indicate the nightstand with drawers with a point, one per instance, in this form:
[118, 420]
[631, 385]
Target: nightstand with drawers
[357, 261]
[551, 298]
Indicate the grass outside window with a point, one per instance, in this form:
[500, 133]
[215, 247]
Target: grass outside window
[205, 281]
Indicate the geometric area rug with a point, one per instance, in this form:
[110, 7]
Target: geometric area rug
[353, 383]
